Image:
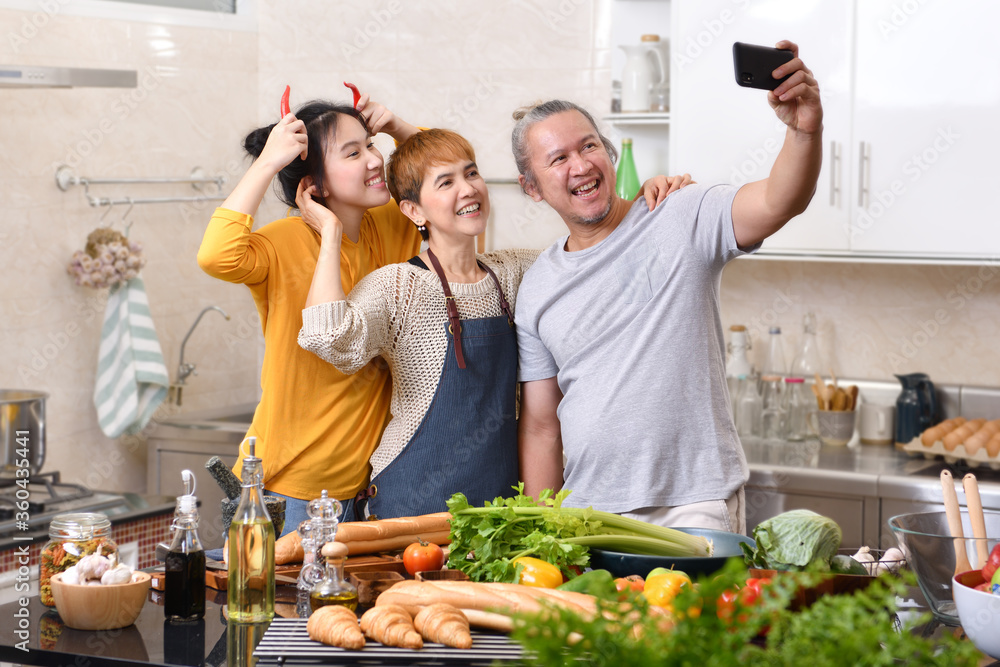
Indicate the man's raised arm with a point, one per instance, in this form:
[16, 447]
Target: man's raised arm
[761, 208]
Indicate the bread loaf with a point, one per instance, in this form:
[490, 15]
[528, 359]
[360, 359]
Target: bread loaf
[499, 598]
[288, 549]
[355, 547]
[356, 531]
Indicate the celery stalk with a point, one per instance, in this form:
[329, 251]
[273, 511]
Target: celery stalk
[619, 533]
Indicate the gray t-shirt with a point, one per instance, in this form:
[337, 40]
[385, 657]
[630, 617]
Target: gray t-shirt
[631, 330]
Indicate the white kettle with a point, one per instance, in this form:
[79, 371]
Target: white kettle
[644, 69]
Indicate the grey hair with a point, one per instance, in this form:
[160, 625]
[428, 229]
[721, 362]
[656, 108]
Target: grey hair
[525, 117]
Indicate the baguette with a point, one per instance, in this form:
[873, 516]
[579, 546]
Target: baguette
[501, 598]
[355, 531]
[391, 625]
[288, 549]
[488, 620]
[443, 624]
[335, 625]
[355, 547]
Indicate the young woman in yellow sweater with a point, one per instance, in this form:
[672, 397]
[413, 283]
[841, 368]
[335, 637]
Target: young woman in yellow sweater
[444, 322]
[315, 426]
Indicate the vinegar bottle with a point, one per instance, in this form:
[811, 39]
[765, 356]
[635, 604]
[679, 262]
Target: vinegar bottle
[251, 549]
[185, 562]
[627, 178]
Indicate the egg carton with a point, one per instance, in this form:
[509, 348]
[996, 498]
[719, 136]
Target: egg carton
[977, 460]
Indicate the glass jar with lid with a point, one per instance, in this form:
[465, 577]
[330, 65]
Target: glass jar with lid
[71, 537]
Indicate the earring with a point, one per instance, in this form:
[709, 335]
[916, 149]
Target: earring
[420, 226]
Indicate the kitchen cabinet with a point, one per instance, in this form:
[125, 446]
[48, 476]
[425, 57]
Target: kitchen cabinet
[909, 133]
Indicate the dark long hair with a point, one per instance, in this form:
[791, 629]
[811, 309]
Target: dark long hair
[320, 118]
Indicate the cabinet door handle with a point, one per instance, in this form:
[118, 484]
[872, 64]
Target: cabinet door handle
[834, 174]
[864, 172]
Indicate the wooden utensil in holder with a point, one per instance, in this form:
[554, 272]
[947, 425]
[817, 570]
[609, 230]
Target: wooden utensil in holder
[976, 517]
[954, 513]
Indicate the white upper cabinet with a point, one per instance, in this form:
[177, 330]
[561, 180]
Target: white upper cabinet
[911, 97]
[927, 112]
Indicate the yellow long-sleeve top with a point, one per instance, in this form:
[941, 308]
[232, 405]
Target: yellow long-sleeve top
[316, 427]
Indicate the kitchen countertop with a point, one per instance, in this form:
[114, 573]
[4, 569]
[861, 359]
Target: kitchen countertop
[866, 470]
[153, 641]
[150, 641]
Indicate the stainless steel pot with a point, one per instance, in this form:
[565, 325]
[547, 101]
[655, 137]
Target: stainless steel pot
[22, 430]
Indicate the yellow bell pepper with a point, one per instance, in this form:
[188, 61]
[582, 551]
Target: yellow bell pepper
[538, 573]
[661, 589]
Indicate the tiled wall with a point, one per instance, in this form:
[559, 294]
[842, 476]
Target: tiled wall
[195, 86]
[463, 65]
[146, 533]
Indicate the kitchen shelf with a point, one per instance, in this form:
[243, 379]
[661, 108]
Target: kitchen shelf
[639, 118]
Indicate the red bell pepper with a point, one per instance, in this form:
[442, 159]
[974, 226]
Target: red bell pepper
[992, 563]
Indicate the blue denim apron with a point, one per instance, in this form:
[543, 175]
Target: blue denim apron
[467, 440]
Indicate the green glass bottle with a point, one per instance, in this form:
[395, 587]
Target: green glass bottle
[627, 178]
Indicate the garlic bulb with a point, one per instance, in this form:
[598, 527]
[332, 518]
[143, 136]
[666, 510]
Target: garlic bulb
[891, 561]
[865, 557]
[119, 574]
[71, 576]
[93, 566]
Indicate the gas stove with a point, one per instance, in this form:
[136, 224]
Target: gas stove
[47, 497]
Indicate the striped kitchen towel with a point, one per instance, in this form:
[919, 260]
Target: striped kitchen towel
[132, 379]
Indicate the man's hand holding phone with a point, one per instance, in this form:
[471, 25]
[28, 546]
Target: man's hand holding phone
[792, 90]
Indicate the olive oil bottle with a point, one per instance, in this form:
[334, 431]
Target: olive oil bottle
[333, 588]
[251, 549]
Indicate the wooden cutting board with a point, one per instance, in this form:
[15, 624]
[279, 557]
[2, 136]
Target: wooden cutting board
[219, 579]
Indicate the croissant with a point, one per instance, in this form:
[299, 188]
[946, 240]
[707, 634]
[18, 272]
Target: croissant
[336, 626]
[391, 625]
[444, 624]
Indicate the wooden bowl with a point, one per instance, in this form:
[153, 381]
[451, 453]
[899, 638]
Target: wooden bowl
[441, 575]
[372, 584]
[100, 607]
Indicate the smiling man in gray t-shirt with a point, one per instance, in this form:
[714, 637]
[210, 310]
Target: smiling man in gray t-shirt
[622, 358]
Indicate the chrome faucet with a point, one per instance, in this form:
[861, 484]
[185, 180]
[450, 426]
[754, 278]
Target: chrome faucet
[186, 369]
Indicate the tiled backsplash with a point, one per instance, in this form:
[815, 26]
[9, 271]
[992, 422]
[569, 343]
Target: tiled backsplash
[461, 65]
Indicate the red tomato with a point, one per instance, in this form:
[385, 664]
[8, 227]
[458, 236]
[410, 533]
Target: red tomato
[422, 556]
[992, 564]
[632, 582]
[744, 598]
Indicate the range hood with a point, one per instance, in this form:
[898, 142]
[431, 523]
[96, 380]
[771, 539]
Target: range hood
[23, 76]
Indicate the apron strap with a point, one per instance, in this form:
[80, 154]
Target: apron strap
[455, 324]
[504, 306]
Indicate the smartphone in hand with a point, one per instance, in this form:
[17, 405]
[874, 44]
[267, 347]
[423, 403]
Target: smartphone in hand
[753, 65]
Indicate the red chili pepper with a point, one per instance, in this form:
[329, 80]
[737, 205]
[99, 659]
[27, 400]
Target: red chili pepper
[354, 89]
[285, 109]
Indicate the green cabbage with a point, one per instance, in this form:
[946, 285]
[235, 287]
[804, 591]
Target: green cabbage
[796, 540]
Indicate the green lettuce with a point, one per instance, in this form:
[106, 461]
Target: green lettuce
[795, 540]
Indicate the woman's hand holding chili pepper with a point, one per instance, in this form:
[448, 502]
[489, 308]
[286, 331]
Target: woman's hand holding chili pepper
[381, 119]
[286, 141]
[319, 218]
